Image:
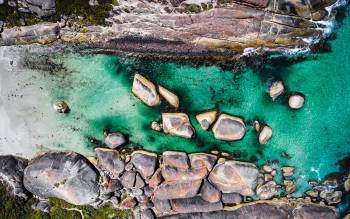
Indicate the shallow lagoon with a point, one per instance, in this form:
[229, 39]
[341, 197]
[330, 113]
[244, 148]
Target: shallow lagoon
[98, 90]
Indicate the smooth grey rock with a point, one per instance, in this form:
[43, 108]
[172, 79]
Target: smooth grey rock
[209, 193]
[144, 162]
[145, 90]
[235, 176]
[170, 173]
[110, 161]
[195, 204]
[115, 140]
[128, 179]
[64, 175]
[139, 183]
[231, 198]
[296, 101]
[11, 173]
[42, 205]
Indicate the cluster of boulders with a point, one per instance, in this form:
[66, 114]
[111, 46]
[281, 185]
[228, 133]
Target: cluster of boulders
[151, 185]
[224, 126]
[295, 100]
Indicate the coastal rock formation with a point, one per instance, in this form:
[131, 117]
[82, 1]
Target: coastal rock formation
[144, 162]
[209, 193]
[169, 96]
[206, 119]
[64, 175]
[115, 139]
[177, 189]
[11, 173]
[265, 134]
[235, 176]
[229, 128]
[145, 90]
[296, 101]
[177, 124]
[109, 161]
[203, 160]
[195, 204]
[217, 30]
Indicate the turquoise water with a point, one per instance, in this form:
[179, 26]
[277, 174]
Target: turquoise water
[98, 89]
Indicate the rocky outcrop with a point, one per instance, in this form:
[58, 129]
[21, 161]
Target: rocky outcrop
[218, 30]
[177, 190]
[144, 162]
[195, 204]
[64, 175]
[177, 124]
[61, 106]
[229, 128]
[235, 176]
[276, 89]
[11, 173]
[110, 161]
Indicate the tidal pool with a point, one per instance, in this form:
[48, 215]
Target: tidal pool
[98, 90]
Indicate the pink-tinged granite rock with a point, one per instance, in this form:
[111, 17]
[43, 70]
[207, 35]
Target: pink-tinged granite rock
[209, 193]
[145, 162]
[265, 134]
[177, 189]
[156, 179]
[176, 159]
[231, 198]
[110, 161]
[170, 173]
[296, 101]
[276, 89]
[203, 160]
[235, 176]
[177, 124]
[267, 190]
[206, 119]
[195, 204]
[169, 96]
[229, 128]
[145, 90]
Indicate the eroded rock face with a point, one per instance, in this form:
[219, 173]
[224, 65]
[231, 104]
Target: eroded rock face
[11, 173]
[229, 128]
[177, 124]
[145, 90]
[110, 161]
[64, 175]
[145, 162]
[41, 8]
[234, 176]
[176, 159]
[177, 189]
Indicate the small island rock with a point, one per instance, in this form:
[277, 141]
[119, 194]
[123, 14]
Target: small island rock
[229, 128]
[265, 134]
[206, 119]
[276, 89]
[61, 106]
[145, 90]
[177, 124]
[169, 96]
[296, 101]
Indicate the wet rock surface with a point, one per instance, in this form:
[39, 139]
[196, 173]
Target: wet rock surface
[64, 175]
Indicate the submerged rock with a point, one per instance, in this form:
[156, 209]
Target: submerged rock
[276, 89]
[206, 119]
[115, 139]
[235, 176]
[265, 134]
[229, 128]
[169, 96]
[177, 124]
[145, 90]
[11, 173]
[61, 106]
[110, 161]
[64, 175]
[296, 101]
[177, 189]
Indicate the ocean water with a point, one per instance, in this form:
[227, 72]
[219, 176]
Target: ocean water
[98, 89]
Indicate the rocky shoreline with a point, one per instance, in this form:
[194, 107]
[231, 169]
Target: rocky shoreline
[171, 185]
[226, 30]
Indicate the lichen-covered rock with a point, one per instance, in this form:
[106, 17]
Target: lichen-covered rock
[195, 204]
[177, 124]
[145, 90]
[110, 161]
[64, 175]
[145, 162]
[11, 173]
[206, 119]
[209, 193]
[265, 134]
[229, 128]
[276, 89]
[177, 189]
[235, 176]
[115, 139]
[203, 160]
[296, 101]
[169, 96]
[267, 190]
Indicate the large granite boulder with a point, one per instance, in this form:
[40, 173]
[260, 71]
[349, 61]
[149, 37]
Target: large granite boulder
[170, 173]
[176, 159]
[177, 189]
[209, 193]
[64, 175]
[11, 173]
[145, 162]
[195, 204]
[109, 161]
[145, 90]
[203, 160]
[235, 176]
[229, 128]
[177, 124]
